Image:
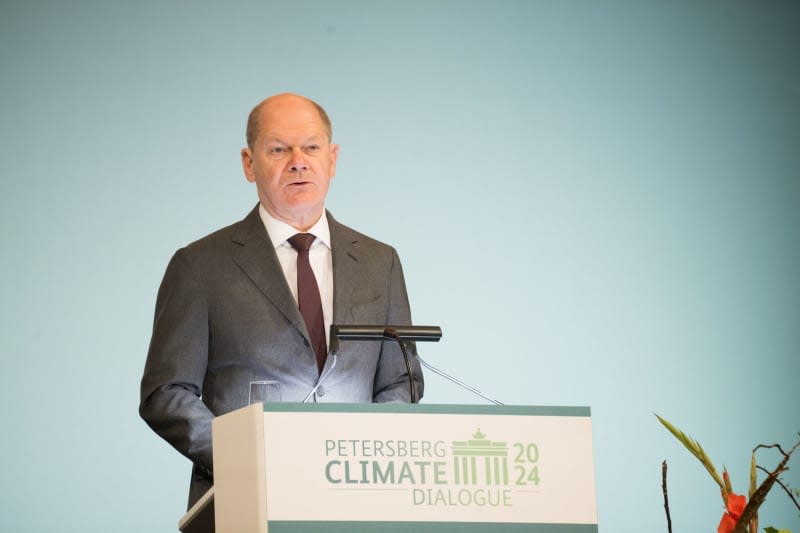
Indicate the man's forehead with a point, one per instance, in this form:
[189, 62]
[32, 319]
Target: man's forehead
[288, 107]
[297, 118]
[287, 114]
[289, 136]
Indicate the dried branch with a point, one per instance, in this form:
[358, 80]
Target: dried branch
[768, 446]
[784, 487]
[760, 494]
[666, 498]
[752, 490]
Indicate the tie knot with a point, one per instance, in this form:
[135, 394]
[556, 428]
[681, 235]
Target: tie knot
[302, 241]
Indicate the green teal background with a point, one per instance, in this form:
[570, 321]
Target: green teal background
[599, 202]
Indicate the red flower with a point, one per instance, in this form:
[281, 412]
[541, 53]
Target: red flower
[734, 509]
[727, 524]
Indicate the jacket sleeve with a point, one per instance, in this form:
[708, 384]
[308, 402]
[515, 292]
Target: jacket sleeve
[172, 384]
[391, 377]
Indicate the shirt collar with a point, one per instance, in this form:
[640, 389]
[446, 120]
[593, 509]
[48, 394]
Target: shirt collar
[279, 231]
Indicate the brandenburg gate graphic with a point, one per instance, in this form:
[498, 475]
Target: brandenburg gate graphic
[480, 454]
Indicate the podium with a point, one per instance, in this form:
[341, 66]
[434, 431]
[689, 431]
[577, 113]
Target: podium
[358, 468]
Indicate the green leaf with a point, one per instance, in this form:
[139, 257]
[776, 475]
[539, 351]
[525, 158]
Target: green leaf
[694, 447]
[773, 530]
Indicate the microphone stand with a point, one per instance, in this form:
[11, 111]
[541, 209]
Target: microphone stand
[412, 386]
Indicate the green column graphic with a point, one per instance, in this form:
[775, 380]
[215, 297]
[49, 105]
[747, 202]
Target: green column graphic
[466, 464]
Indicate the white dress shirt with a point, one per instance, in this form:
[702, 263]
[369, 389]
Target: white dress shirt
[319, 255]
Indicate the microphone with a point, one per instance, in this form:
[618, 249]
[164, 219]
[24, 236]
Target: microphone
[369, 333]
[398, 333]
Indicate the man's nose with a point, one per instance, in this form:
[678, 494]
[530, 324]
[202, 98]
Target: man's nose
[298, 161]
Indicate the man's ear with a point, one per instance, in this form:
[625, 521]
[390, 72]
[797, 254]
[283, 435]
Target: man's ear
[334, 158]
[247, 164]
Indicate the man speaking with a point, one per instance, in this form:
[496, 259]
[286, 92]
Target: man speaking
[255, 300]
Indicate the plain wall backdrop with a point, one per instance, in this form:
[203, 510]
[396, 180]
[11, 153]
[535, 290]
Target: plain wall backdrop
[597, 201]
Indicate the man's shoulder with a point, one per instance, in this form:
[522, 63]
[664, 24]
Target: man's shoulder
[213, 239]
[350, 236]
[223, 238]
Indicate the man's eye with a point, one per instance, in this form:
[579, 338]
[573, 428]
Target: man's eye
[277, 150]
[312, 147]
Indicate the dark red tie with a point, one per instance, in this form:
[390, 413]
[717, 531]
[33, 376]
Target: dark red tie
[308, 297]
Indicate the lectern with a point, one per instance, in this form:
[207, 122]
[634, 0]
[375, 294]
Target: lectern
[358, 468]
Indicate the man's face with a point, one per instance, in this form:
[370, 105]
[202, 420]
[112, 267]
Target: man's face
[292, 161]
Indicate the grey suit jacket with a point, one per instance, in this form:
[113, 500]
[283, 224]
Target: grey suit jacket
[225, 316]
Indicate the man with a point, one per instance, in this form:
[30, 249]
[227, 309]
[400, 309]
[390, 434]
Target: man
[227, 310]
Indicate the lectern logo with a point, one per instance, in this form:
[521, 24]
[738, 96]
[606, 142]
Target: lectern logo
[475, 472]
[480, 458]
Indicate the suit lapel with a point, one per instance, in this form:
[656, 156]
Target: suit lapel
[256, 256]
[353, 290]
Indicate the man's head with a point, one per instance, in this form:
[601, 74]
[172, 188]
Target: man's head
[290, 158]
